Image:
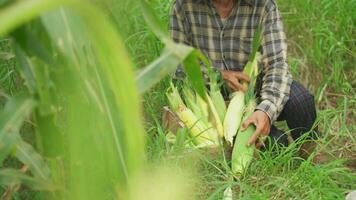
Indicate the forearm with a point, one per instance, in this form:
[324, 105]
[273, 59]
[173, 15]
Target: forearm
[275, 90]
[277, 79]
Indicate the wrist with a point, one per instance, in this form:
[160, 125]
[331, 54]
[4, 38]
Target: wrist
[265, 114]
[269, 108]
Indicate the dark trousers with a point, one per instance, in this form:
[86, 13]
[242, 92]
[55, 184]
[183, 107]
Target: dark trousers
[299, 112]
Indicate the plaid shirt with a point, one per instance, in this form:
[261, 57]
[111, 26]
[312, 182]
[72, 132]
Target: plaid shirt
[228, 44]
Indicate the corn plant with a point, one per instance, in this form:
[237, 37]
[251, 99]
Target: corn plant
[83, 97]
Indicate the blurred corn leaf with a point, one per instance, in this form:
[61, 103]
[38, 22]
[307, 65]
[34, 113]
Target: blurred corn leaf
[194, 73]
[4, 2]
[10, 177]
[6, 56]
[96, 96]
[25, 69]
[107, 78]
[12, 117]
[37, 78]
[99, 83]
[27, 154]
[34, 40]
[166, 64]
[6, 145]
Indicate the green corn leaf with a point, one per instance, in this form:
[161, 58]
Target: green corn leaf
[34, 43]
[11, 120]
[6, 56]
[7, 141]
[28, 155]
[255, 43]
[37, 79]
[4, 2]
[161, 67]
[173, 55]
[25, 69]
[122, 151]
[10, 177]
[195, 76]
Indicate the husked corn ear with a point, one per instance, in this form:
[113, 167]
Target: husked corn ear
[202, 133]
[233, 116]
[241, 154]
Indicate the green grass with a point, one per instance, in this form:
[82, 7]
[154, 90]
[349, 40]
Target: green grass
[322, 54]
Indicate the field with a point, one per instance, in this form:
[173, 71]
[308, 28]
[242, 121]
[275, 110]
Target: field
[322, 56]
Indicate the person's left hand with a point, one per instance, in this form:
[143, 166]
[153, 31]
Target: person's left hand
[263, 126]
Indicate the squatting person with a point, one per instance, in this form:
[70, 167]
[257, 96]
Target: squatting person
[223, 30]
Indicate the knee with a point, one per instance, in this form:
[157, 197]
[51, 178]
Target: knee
[301, 102]
[301, 97]
[304, 100]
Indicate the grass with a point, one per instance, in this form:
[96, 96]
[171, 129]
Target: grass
[322, 52]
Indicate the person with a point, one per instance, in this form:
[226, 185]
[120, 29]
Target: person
[223, 30]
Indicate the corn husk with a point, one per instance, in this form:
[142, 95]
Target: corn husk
[233, 116]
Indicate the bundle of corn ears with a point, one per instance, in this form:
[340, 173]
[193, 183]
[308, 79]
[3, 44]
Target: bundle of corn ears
[210, 121]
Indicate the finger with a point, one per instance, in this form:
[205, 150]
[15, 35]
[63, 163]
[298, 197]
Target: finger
[225, 74]
[233, 87]
[247, 122]
[255, 136]
[242, 76]
[259, 145]
[252, 139]
[238, 85]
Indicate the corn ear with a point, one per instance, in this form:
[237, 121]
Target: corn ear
[203, 106]
[214, 118]
[251, 69]
[219, 102]
[215, 94]
[191, 101]
[201, 133]
[233, 116]
[227, 194]
[241, 154]
[174, 99]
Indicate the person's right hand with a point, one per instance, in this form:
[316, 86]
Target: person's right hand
[234, 79]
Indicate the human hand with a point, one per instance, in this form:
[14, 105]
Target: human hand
[233, 79]
[263, 126]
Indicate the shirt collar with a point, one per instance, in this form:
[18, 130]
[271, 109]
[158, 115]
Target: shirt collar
[250, 2]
